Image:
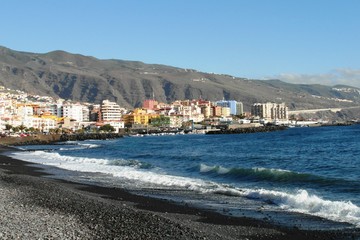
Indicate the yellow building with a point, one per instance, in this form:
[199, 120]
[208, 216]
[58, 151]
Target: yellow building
[139, 116]
[225, 111]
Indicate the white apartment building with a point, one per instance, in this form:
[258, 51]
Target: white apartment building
[176, 121]
[56, 110]
[25, 111]
[86, 113]
[73, 111]
[117, 125]
[43, 124]
[197, 118]
[239, 108]
[270, 111]
[110, 111]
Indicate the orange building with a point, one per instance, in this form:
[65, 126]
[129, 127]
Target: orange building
[216, 111]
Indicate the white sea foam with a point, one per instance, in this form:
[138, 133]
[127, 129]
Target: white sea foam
[219, 169]
[205, 168]
[80, 146]
[304, 202]
[223, 170]
[55, 159]
[89, 145]
[272, 170]
[300, 201]
[124, 169]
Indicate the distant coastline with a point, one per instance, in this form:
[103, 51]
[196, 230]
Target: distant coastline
[43, 139]
[249, 130]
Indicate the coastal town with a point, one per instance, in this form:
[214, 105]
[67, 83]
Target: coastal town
[21, 113]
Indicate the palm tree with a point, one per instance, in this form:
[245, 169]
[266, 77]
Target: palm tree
[31, 129]
[22, 127]
[8, 127]
[15, 129]
[58, 130]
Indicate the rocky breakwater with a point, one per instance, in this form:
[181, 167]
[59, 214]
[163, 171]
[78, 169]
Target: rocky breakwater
[34, 139]
[248, 130]
[87, 136]
[42, 139]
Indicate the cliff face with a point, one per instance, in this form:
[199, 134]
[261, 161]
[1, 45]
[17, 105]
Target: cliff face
[87, 79]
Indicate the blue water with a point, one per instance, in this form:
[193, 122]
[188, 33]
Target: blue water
[315, 171]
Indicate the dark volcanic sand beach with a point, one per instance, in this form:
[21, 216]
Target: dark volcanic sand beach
[35, 207]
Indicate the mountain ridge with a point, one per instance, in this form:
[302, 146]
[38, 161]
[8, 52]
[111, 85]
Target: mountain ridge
[61, 74]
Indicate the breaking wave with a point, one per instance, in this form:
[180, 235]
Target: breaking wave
[80, 146]
[303, 202]
[266, 174]
[136, 171]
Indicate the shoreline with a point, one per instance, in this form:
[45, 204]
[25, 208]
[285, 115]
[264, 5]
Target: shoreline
[44, 139]
[110, 213]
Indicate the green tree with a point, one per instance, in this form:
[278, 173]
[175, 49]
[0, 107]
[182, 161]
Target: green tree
[82, 130]
[8, 127]
[161, 121]
[107, 128]
[31, 129]
[58, 130]
[22, 127]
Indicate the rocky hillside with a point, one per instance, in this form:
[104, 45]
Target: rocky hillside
[87, 79]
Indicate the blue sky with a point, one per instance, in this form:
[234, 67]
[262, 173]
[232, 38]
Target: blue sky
[306, 41]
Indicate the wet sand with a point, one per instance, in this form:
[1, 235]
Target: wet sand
[33, 206]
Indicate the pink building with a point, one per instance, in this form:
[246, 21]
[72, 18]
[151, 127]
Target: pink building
[150, 104]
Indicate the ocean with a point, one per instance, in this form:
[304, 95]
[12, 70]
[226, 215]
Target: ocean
[300, 177]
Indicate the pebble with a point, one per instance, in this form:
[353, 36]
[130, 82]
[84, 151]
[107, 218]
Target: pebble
[39, 208]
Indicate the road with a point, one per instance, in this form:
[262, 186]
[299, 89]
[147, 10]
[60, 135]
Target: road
[321, 110]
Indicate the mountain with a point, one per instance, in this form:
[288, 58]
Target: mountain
[82, 78]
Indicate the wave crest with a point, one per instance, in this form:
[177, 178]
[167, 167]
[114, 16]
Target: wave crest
[303, 202]
[266, 174]
[300, 201]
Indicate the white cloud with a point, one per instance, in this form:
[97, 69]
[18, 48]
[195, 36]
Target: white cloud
[342, 76]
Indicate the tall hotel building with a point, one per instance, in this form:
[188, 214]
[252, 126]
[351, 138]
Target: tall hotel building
[270, 111]
[110, 111]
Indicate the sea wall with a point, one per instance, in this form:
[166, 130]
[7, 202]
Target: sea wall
[30, 140]
[40, 139]
[248, 130]
[87, 136]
